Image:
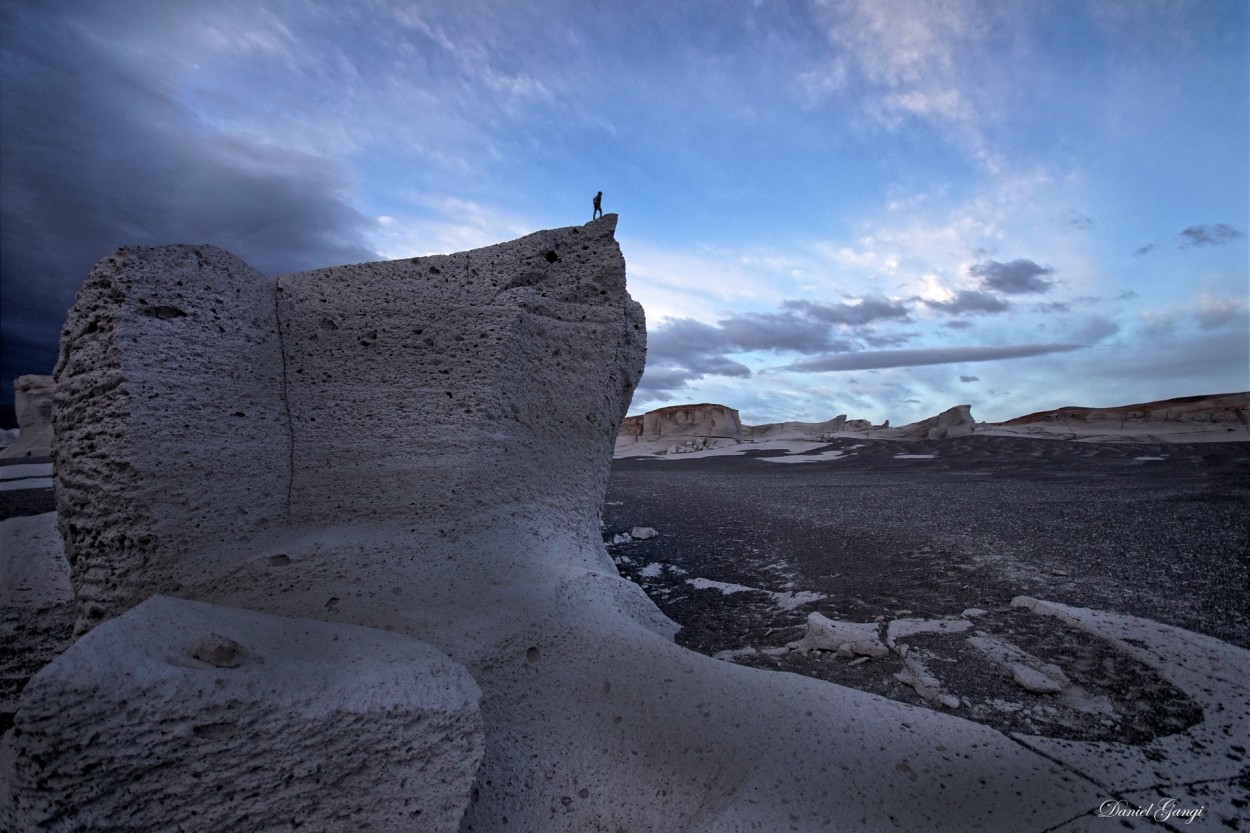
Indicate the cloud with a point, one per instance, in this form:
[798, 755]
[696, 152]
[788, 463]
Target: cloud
[774, 331]
[1208, 235]
[967, 301]
[867, 311]
[1143, 250]
[97, 155]
[1018, 277]
[682, 351]
[1073, 220]
[878, 359]
[1215, 313]
[963, 378]
[905, 53]
[685, 350]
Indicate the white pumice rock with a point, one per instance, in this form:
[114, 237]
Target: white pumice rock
[642, 533]
[825, 634]
[297, 725]
[475, 399]
[903, 628]
[164, 346]
[32, 401]
[863, 648]
[1036, 680]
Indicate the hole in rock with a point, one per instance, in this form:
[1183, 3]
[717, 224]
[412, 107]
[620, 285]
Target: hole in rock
[532, 654]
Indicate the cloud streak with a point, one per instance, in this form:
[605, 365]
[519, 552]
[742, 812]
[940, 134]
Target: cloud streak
[882, 359]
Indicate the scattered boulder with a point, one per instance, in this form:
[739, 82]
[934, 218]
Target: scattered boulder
[917, 675]
[824, 634]
[903, 628]
[642, 533]
[1037, 681]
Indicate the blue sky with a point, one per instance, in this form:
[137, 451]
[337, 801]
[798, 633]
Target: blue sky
[874, 208]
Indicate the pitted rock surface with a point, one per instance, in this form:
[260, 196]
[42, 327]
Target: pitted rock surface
[316, 726]
[172, 435]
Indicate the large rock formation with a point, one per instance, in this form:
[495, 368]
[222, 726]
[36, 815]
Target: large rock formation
[475, 398]
[32, 400]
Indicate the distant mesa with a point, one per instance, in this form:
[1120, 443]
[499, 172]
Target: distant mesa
[690, 428]
[1218, 409]
[703, 420]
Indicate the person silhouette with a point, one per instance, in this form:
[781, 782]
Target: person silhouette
[598, 212]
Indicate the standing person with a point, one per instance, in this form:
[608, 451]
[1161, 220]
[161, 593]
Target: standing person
[598, 212]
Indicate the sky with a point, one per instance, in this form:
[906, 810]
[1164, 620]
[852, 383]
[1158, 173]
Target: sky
[863, 207]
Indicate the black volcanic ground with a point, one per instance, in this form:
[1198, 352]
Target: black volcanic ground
[987, 519]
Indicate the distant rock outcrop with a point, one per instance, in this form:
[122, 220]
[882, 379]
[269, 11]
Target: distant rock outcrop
[32, 400]
[687, 428]
[1223, 417]
[953, 422]
[1226, 408]
[704, 420]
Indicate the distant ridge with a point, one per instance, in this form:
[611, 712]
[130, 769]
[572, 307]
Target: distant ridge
[1179, 409]
[1223, 417]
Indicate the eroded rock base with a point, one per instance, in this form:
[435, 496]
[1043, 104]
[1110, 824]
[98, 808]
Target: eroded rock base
[139, 726]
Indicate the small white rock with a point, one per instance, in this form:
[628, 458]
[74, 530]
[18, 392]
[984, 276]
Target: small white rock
[642, 533]
[1033, 680]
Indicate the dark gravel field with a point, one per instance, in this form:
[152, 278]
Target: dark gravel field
[1160, 531]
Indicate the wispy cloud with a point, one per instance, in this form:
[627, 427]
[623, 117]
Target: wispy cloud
[902, 62]
[1208, 235]
[877, 359]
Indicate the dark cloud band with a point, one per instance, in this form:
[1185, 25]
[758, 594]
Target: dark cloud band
[880, 359]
